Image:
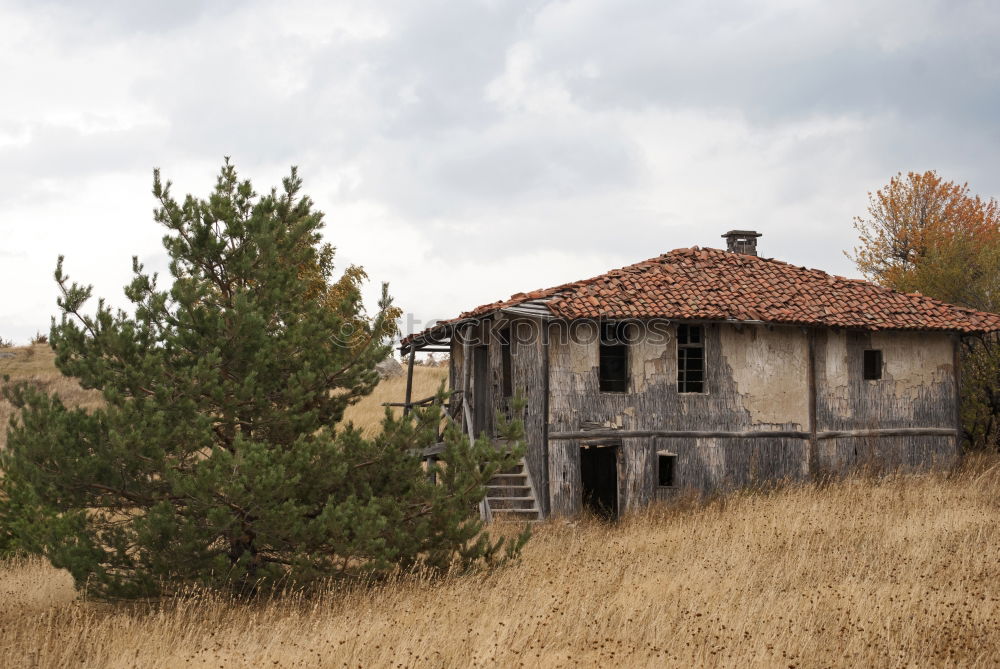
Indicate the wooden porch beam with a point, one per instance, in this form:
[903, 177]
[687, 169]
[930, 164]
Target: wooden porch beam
[812, 463]
[409, 382]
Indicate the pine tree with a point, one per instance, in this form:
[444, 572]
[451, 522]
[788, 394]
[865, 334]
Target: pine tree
[217, 458]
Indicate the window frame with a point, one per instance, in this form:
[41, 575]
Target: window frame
[616, 346]
[683, 383]
[878, 366]
[667, 456]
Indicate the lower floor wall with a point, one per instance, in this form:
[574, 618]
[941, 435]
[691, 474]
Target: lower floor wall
[710, 465]
[902, 453]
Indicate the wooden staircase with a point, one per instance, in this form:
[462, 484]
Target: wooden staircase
[510, 495]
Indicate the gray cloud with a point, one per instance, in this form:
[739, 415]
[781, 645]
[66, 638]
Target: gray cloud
[58, 152]
[92, 21]
[777, 63]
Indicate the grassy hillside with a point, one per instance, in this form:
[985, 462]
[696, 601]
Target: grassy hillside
[901, 571]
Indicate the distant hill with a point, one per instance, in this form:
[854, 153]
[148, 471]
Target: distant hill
[37, 364]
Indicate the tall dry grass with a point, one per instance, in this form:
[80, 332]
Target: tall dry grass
[896, 571]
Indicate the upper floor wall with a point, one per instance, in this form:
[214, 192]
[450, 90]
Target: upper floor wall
[753, 377]
[756, 377]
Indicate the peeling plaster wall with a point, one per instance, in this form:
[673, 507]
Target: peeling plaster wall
[756, 377]
[651, 362]
[769, 368]
[915, 360]
[917, 389]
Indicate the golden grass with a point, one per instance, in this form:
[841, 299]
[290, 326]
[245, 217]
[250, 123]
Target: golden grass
[369, 412]
[898, 571]
[37, 364]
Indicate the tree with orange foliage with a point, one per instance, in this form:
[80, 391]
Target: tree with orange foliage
[921, 218]
[924, 234]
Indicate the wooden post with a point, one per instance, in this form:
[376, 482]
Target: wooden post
[812, 459]
[957, 364]
[543, 489]
[409, 380]
[470, 426]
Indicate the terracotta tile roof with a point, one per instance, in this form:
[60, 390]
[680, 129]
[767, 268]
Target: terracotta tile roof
[709, 284]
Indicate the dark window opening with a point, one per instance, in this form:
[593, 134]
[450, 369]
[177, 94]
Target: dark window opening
[690, 358]
[614, 358]
[872, 365]
[507, 380]
[666, 467]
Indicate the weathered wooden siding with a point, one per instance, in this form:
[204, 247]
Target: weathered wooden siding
[718, 464]
[456, 360]
[756, 379]
[527, 382]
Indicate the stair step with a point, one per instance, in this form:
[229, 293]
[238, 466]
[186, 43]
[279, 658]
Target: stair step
[501, 480]
[515, 514]
[520, 503]
[507, 491]
[510, 497]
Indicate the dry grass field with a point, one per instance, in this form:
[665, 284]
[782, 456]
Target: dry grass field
[368, 413]
[870, 571]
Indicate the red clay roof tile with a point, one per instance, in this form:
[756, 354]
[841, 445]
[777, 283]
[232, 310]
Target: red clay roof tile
[710, 284]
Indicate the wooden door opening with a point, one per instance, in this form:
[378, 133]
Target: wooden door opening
[481, 418]
[599, 479]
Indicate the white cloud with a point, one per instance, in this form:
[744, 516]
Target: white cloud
[467, 151]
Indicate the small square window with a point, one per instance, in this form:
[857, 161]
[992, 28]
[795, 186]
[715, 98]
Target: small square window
[666, 469]
[872, 365]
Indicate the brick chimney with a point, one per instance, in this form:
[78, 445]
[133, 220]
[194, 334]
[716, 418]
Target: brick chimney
[742, 241]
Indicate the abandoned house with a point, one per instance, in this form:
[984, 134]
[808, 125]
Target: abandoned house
[704, 369]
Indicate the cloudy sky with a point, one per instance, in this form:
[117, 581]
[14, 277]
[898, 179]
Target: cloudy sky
[467, 150]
